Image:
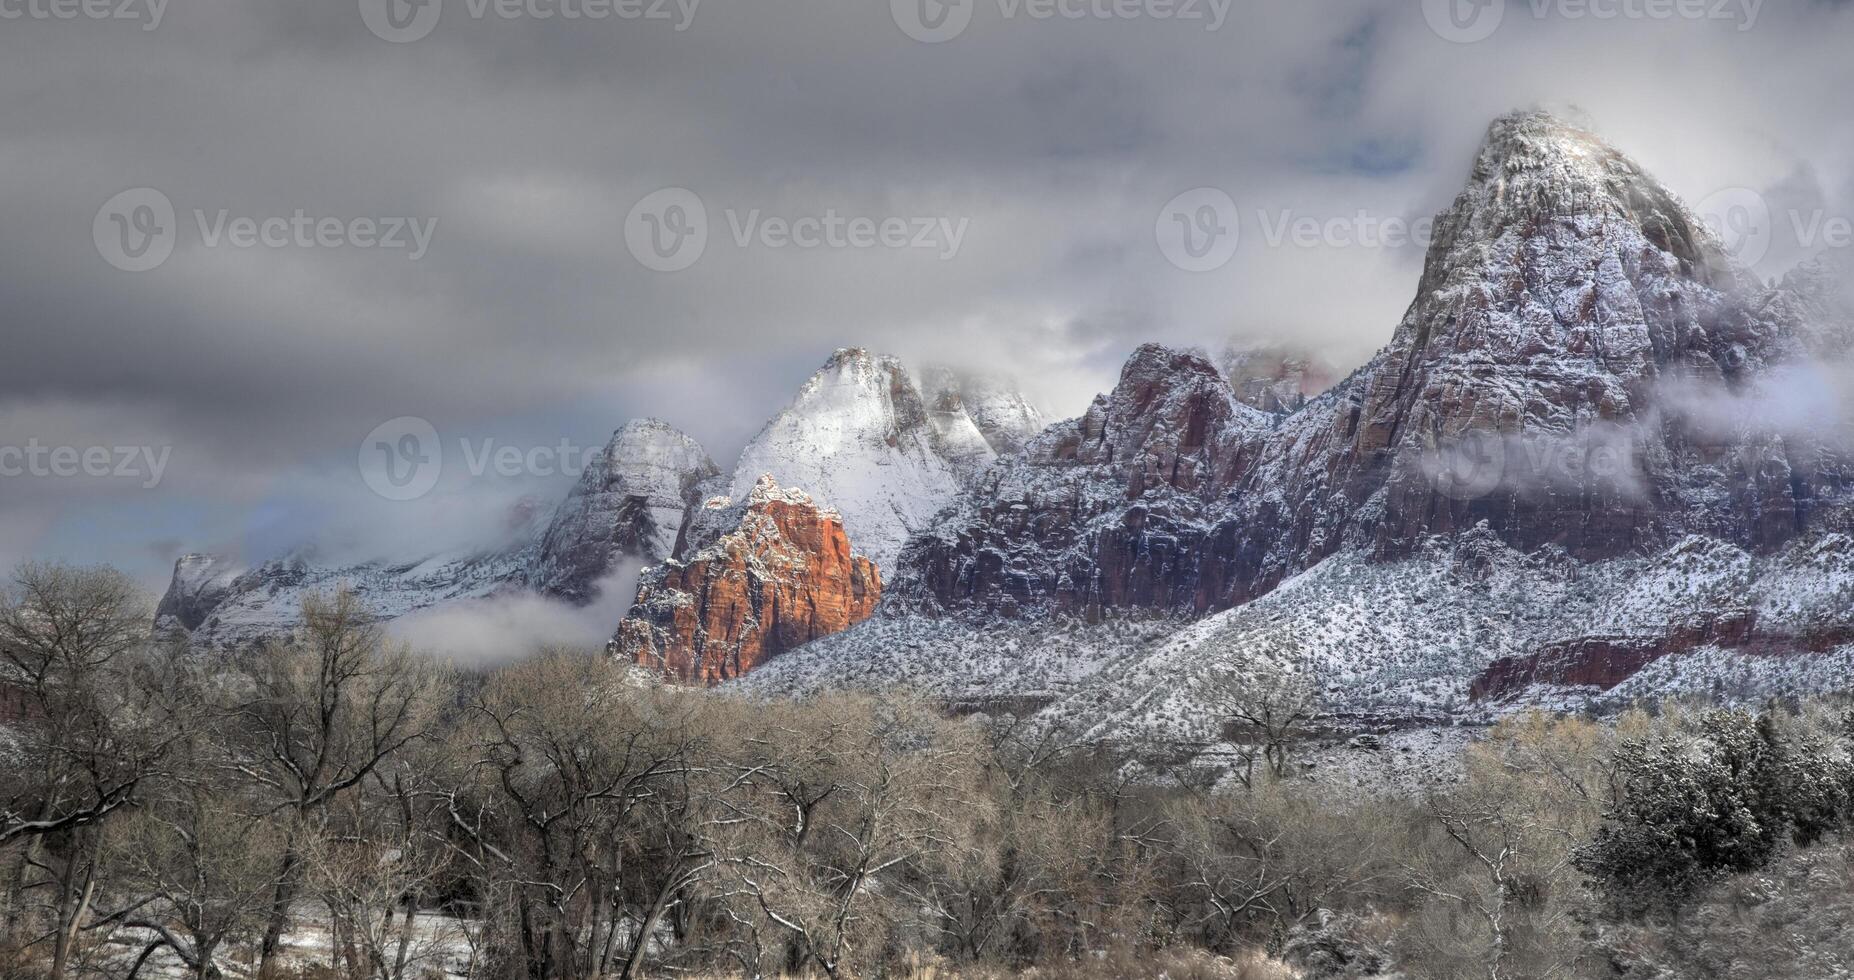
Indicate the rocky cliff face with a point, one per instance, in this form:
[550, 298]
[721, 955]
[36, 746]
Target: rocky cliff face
[1565, 292]
[1552, 380]
[199, 585]
[1114, 509]
[628, 506]
[781, 575]
[1275, 379]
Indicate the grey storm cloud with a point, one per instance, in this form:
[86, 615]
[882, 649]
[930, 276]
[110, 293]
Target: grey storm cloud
[525, 142]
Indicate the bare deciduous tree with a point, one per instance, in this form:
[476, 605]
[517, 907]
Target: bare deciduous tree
[1266, 693]
[564, 759]
[324, 712]
[372, 864]
[196, 863]
[834, 795]
[88, 737]
[65, 636]
[1496, 863]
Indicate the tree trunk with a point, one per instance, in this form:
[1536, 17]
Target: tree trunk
[205, 968]
[351, 951]
[16, 888]
[641, 944]
[281, 900]
[73, 900]
[67, 940]
[405, 936]
[530, 946]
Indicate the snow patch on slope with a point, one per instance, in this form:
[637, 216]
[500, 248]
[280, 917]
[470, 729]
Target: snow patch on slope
[1396, 642]
[265, 602]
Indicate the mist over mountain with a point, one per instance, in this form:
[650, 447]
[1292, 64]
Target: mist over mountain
[926, 489]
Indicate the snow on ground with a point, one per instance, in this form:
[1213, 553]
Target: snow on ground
[1392, 644]
[441, 947]
[1737, 676]
[958, 659]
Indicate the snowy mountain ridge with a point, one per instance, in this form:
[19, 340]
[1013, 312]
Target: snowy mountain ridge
[862, 438]
[630, 505]
[1519, 500]
[1530, 496]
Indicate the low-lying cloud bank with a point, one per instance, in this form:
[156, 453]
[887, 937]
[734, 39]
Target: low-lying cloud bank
[504, 628]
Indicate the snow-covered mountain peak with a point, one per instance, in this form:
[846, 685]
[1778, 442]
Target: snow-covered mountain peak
[1562, 256]
[652, 455]
[1004, 419]
[200, 582]
[629, 505]
[861, 438]
[1570, 199]
[958, 435]
[1176, 398]
[1533, 164]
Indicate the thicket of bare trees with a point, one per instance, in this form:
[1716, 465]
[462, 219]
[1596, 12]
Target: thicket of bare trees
[337, 807]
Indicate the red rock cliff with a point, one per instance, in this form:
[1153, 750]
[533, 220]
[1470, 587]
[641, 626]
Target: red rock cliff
[780, 575]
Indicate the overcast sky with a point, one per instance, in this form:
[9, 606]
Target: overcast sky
[1044, 148]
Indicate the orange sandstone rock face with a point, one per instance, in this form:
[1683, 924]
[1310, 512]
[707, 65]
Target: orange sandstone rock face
[780, 575]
